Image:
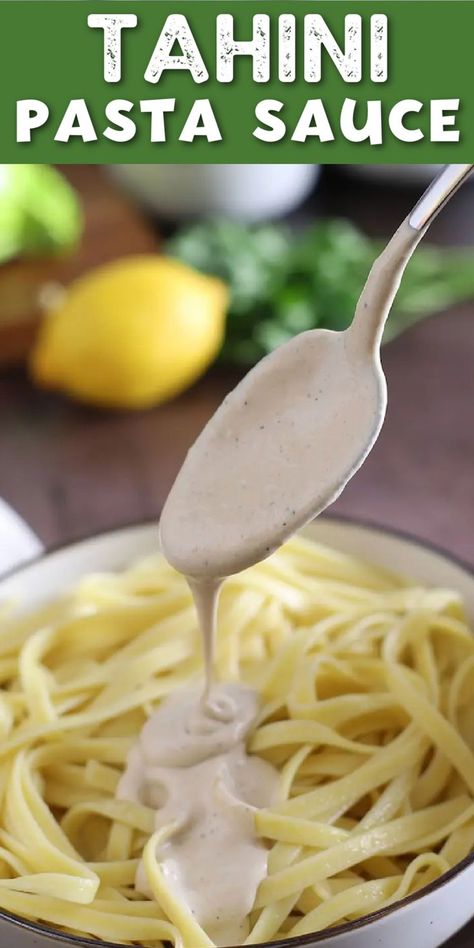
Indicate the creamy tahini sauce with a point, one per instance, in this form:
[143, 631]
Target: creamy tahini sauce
[285, 441]
[205, 592]
[191, 765]
[280, 448]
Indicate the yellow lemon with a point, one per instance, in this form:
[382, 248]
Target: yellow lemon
[132, 333]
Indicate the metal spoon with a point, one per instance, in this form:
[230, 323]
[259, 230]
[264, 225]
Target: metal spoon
[283, 445]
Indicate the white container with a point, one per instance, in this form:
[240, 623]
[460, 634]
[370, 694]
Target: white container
[17, 542]
[425, 919]
[246, 192]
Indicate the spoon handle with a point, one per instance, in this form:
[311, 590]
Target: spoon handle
[437, 194]
[387, 270]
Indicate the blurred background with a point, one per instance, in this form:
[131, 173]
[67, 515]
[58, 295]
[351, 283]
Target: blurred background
[132, 298]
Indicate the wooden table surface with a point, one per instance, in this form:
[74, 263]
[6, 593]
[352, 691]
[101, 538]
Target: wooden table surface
[71, 471]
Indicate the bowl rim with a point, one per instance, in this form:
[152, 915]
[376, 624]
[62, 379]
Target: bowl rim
[300, 941]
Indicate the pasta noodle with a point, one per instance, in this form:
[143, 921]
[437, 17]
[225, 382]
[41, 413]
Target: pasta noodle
[366, 684]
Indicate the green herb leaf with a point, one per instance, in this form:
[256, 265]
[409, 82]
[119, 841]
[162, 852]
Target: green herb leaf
[282, 283]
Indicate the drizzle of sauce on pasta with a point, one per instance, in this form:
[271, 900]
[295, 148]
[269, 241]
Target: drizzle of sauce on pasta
[191, 765]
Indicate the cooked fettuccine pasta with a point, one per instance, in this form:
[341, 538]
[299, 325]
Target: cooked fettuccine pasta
[366, 685]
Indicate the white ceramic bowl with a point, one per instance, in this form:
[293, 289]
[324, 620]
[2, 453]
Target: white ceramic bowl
[424, 920]
[245, 192]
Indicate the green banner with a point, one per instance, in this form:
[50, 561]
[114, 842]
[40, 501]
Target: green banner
[213, 81]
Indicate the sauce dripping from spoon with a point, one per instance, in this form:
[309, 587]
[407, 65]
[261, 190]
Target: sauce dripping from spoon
[277, 452]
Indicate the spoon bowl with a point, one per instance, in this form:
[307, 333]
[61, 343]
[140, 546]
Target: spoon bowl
[305, 418]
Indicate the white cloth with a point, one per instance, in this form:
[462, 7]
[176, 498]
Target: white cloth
[17, 542]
